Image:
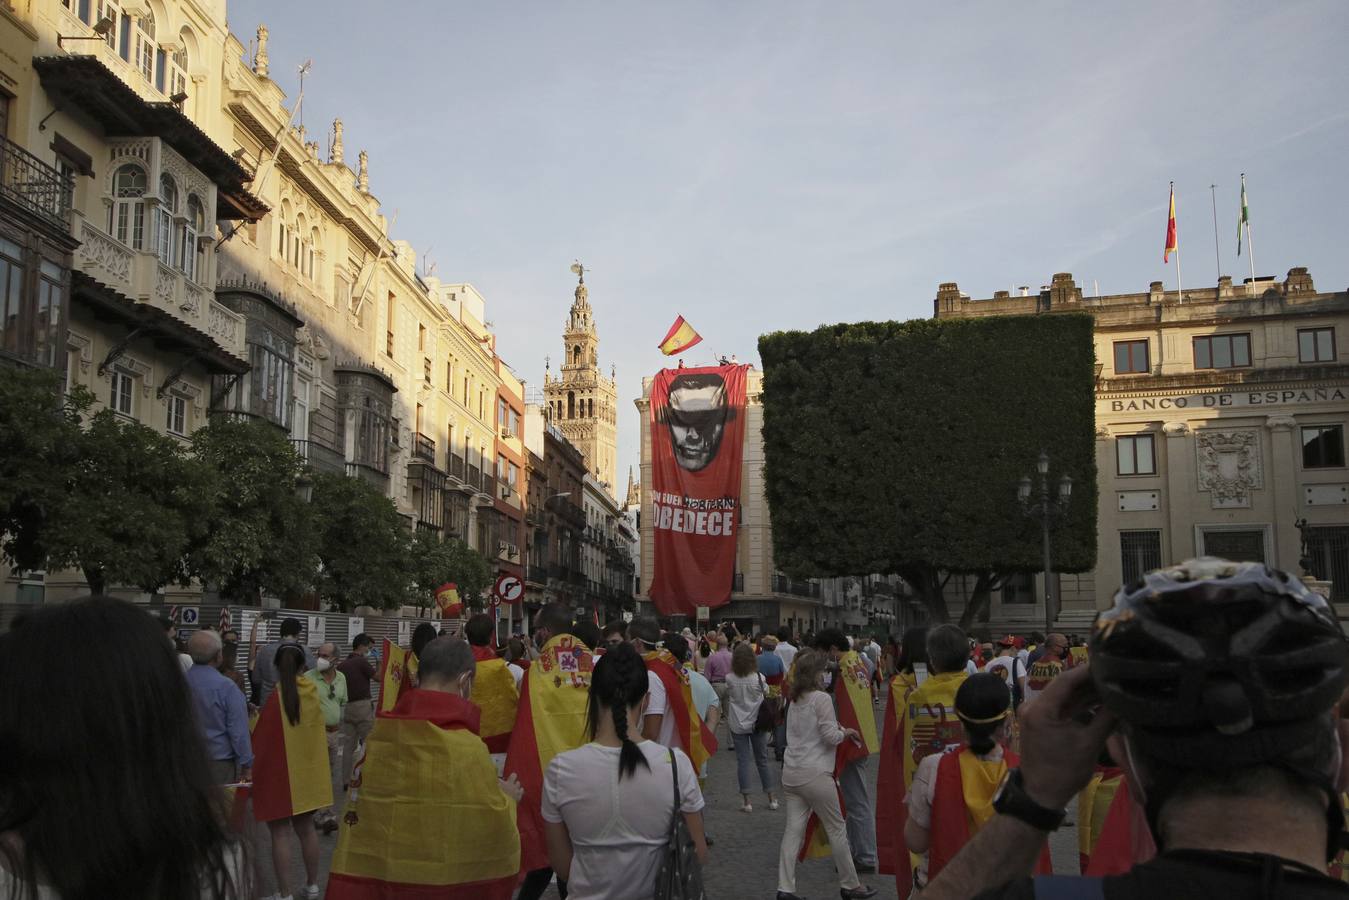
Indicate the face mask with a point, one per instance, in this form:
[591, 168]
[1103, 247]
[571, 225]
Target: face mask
[324, 665]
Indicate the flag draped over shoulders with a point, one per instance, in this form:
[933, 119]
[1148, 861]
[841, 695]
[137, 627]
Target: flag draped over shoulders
[1125, 840]
[397, 668]
[890, 810]
[290, 766]
[549, 720]
[695, 738]
[852, 701]
[496, 696]
[427, 818]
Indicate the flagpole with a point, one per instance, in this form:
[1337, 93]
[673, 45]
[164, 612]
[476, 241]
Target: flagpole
[1250, 248]
[1180, 298]
[1217, 257]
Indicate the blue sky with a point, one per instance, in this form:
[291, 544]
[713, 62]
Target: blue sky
[757, 166]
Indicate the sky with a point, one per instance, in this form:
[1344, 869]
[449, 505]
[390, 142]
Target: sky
[761, 166]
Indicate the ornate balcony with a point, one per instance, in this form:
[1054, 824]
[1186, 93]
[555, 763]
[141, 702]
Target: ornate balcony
[34, 185]
[424, 448]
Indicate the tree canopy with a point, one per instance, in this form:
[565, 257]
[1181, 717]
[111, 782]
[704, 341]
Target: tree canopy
[897, 447]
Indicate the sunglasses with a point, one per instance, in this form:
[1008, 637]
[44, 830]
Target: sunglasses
[332, 692]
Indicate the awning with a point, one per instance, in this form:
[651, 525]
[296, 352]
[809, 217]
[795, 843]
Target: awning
[84, 82]
[165, 330]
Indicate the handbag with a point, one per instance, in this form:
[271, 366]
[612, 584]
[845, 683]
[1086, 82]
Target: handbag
[680, 875]
[770, 710]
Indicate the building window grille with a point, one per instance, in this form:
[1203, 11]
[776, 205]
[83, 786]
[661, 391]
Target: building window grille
[1328, 553]
[1140, 552]
[1238, 546]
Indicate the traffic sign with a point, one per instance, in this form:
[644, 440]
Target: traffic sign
[189, 616]
[508, 589]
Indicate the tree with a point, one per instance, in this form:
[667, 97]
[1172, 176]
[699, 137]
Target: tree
[362, 544]
[39, 451]
[135, 501]
[260, 532]
[433, 562]
[897, 447]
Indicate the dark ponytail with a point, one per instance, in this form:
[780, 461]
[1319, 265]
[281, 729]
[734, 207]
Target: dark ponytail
[983, 704]
[289, 664]
[618, 683]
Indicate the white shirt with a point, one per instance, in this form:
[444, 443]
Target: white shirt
[659, 706]
[786, 652]
[743, 696]
[617, 827]
[812, 734]
[919, 799]
[971, 668]
[1004, 666]
[516, 672]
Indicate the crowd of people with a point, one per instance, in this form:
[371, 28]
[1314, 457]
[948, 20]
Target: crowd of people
[1199, 730]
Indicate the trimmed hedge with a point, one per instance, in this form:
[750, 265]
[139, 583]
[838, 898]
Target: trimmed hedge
[890, 445]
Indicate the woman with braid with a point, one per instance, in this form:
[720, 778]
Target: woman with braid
[607, 805]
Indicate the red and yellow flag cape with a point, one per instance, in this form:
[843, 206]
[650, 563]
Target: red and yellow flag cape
[852, 699]
[496, 696]
[695, 738]
[962, 803]
[1093, 802]
[1125, 840]
[290, 766]
[426, 818]
[924, 722]
[550, 720]
[397, 669]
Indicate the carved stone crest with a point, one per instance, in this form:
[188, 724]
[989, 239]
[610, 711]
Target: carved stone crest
[1229, 466]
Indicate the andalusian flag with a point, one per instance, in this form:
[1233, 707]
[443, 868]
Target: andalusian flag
[496, 696]
[550, 720]
[695, 738]
[679, 338]
[397, 668]
[1243, 217]
[1170, 227]
[852, 699]
[448, 602]
[427, 818]
[290, 766]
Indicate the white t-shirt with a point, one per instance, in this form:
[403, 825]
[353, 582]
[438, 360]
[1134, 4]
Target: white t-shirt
[971, 668]
[516, 672]
[617, 827]
[1004, 666]
[744, 693]
[786, 652]
[659, 706]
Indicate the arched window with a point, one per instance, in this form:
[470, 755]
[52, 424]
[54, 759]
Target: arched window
[313, 244]
[296, 240]
[571, 405]
[576, 354]
[168, 208]
[126, 216]
[177, 80]
[192, 251]
[145, 46]
[283, 229]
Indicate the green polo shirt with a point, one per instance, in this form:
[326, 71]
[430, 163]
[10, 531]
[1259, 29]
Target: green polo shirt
[332, 696]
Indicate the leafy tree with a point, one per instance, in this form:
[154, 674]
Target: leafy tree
[362, 544]
[134, 503]
[39, 450]
[433, 562]
[897, 448]
[259, 534]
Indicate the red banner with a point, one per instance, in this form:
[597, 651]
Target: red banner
[697, 447]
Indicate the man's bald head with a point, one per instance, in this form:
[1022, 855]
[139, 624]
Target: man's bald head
[204, 646]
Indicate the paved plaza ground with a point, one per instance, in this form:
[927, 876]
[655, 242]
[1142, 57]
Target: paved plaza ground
[744, 857]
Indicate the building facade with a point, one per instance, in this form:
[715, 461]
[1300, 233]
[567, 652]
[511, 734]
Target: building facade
[581, 401]
[606, 556]
[1220, 427]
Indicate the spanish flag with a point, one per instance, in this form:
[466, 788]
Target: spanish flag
[962, 804]
[397, 668]
[1125, 839]
[427, 818]
[1092, 805]
[852, 698]
[448, 602]
[550, 720]
[890, 814]
[695, 738]
[495, 694]
[1170, 227]
[290, 766]
[679, 338]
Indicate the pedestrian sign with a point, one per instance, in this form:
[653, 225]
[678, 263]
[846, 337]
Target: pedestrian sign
[189, 616]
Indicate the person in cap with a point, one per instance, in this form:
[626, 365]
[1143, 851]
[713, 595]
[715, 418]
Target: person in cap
[1217, 686]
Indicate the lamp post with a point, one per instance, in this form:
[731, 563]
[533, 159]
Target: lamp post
[1037, 502]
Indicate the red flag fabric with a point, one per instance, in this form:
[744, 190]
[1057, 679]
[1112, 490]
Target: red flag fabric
[697, 444]
[891, 813]
[1125, 839]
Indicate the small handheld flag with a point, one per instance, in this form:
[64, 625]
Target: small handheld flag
[1243, 217]
[679, 338]
[1170, 228]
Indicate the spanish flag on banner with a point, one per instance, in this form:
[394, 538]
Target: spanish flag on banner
[550, 720]
[852, 698]
[448, 602]
[427, 818]
[397, 668]
[679, 338]
[290, 766]
[496, 696]
[695, 738]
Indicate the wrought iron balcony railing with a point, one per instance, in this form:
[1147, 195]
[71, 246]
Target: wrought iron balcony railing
[33, 184]
[424, 448]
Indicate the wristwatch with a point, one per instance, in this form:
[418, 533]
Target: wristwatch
[1012, 800]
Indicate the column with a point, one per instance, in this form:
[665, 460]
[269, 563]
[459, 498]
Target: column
[1281, 481]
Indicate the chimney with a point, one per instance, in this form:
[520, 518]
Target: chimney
[948, 298]
[1063, 291]
[1155, 292]
[1001, 295]
[260, 60]
[1025, 290]
[1224, 286]
[1299, 282]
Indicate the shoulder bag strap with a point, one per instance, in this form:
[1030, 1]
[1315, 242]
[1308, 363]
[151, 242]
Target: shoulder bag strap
[674, 775]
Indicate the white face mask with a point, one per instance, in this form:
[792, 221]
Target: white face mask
[323, 665]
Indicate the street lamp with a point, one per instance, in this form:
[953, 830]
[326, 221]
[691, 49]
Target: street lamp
[1046, 508]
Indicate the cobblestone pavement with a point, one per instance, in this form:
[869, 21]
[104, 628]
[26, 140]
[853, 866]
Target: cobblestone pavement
[744, 855]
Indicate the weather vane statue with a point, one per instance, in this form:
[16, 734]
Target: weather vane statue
[579, 271]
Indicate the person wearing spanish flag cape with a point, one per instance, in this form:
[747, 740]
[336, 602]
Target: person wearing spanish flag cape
[428, 816]
[495, 689]
[952, 792]
[916, 726]
[671, 717]
[291, 777]
[550, 719]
